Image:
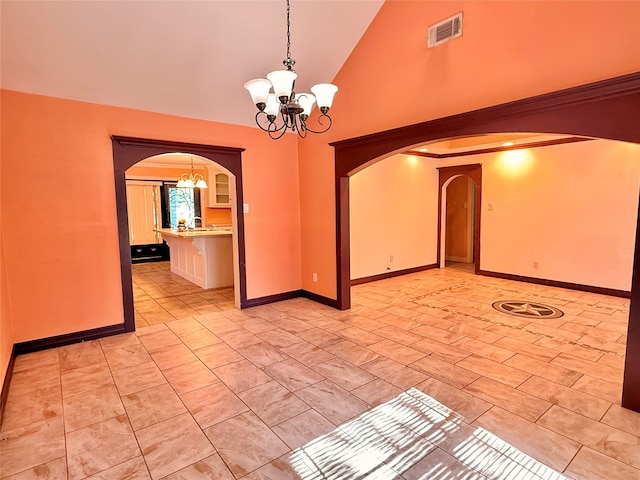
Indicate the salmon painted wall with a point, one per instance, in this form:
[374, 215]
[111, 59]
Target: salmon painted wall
[571, 208]
[6, 330]
[60, 233]
[391, 209]
[391, 80]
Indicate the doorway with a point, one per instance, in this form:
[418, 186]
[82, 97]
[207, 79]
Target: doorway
[459, 207]
[129, 151]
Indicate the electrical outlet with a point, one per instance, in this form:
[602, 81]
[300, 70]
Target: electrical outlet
[245, 208]
[314, 277]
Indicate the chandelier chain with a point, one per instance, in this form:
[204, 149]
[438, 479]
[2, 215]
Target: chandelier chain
[288, 32]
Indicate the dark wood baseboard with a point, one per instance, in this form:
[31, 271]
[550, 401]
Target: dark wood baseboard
[68, 338]
[278, 297]
[6, 383]
[396, 273]
[331, 302]
[556, 283]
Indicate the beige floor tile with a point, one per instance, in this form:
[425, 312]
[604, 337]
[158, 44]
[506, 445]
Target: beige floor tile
[599, 388]
[307, 353]
[623, 419]
[343, 373]
[172, 445]
[80, 355]
[442, 351]
[279, 338]
[86, 379]
[382, 367]
[134, 469]
[160, 339]
[213, 404]
[241, 376]
[445, 372]
[319, 338]
[544, 445]
[32, 406]
[245, 443]
[515, 401]
[26, 447]
[465, 404]
[575, 401]
[591, 465]
[172, 356]
[571, 348]
[151, 406]
[280, 469]
[612, 442]
[483, 349]
[262, 354]
[531, 350]
[239, 338]
[53, 470]
[555, 373]
[439, 465]
[352, 353]
[127, 356]
[217, 355]
[398, 335]
[94, 406]
[303, 428]
[292, 374]
[273, 403]
[220, 324]
[189, 376]
[210, 468]
[359, 336]
[493, 370]
[36, 378]
[376, 392]
[593, 369]
[35, 360]
[256, 325]
[195, 339]
[100, 446]
[135, 379]
[184, 326]
[396, 351]
[332, 402]
[119, 341]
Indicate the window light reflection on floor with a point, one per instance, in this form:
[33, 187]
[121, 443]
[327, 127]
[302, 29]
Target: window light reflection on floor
[414, 436]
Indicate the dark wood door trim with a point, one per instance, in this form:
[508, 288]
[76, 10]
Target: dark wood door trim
[474, 172]
[606, 109]
[128, 151]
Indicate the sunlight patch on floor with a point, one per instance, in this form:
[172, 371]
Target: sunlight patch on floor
[407, 437]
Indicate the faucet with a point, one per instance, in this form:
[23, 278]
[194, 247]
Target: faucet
[194, 221]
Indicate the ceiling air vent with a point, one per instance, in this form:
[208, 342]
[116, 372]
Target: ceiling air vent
[444, 31]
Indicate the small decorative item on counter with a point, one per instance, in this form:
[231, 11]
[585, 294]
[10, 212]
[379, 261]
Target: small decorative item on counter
[182, 224]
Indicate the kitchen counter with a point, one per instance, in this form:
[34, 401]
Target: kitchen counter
[202, 256]
[196, 232]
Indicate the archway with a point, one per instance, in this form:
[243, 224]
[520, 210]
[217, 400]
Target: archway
[127, 152]
[607, 109]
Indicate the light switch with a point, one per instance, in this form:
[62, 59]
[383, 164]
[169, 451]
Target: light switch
[245, 207]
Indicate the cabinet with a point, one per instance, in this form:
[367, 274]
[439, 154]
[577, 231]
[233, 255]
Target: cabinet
[218, 193]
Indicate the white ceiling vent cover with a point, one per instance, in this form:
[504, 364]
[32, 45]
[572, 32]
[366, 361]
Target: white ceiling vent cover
[445, 30]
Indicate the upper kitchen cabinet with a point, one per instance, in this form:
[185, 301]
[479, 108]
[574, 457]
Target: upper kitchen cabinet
[218, 192]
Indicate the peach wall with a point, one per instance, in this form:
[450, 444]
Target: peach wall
[6, 330]
[571, 208]
[391, 79]
[392, 207]
[61, 241]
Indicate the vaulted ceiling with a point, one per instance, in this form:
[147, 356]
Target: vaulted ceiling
[185, 58]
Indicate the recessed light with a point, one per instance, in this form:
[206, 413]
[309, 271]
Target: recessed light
[507, 144]
[423, 150]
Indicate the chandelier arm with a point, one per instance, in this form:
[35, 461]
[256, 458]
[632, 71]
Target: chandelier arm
[272, 133]
[321, 123]
[269, 125]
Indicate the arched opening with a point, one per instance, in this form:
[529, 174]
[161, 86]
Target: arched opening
[458, 234]
[606, 109]
[128, 152]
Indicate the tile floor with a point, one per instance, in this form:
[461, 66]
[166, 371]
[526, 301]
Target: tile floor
[202, 390]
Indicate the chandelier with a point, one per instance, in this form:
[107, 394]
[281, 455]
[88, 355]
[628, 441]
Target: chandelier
[293, 108]
[191, 180]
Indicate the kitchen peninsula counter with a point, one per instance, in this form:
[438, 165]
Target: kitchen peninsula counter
[202, 256]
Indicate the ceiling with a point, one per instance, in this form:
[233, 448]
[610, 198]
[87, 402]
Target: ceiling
[184, 58]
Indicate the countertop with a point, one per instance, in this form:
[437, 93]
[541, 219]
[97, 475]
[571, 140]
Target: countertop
[196, 232]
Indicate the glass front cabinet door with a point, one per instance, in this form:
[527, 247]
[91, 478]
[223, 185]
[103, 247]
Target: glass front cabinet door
[218, 188]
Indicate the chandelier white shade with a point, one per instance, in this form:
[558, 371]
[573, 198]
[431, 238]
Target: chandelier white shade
[191, 180]
[280, 108]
